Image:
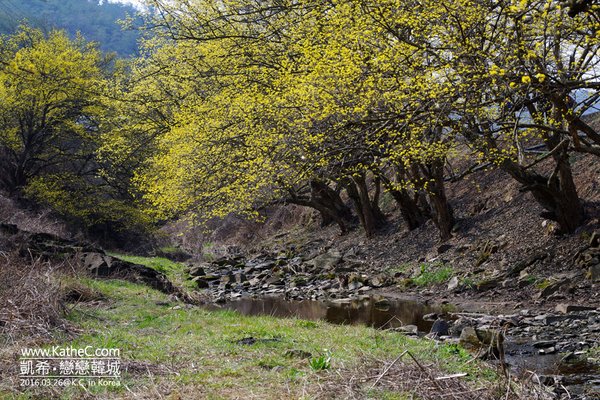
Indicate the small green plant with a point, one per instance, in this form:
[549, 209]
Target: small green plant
[402, 268]
[433, 274]
[320, 363]
[467, 282]
[543, 284]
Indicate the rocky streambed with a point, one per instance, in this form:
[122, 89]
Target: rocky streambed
[552, 347]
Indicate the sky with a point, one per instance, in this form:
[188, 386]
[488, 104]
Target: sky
[136, 3]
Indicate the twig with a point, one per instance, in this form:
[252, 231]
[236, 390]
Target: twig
[425, 370]
[453, 376]
[389, 367]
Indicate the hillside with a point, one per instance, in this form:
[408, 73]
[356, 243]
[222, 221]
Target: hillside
[97, 22]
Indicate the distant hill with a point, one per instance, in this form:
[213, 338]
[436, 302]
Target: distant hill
[97, 22]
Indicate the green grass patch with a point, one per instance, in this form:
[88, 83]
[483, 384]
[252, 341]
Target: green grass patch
[175, 271]
[433, 274]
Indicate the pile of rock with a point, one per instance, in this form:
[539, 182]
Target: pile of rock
[326, 275]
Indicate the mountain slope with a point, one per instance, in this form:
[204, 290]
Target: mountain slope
[97, 22]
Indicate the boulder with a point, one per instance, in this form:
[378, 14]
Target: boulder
[327, 260]
[196, 270]
[440, 328]
[479, 339]
[554, 287]
[102, 265]
[568, 308]
[201, 283]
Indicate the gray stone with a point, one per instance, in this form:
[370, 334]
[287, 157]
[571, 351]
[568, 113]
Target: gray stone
[327, 260]
[549, 350]
[553, 288]
[408, 330]
[377, 281]
[489, 283]
[542, 344]
[201, 283]
[453, 283]
[274, 280]
[430, 317]
[440, 328]
[98, 264]
[568, 308]
[196, 270]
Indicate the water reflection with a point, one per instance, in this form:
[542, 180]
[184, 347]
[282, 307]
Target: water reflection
[370, 311]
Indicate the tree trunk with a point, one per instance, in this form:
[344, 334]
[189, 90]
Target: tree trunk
[370, 216]
[328, 203]
[410, 211]
[557, 194]
[443, 217]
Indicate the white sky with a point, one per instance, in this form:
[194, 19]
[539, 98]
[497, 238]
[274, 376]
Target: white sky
[136, 3]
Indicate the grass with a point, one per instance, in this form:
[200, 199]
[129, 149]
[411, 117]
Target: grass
[175, 271]
[433, 274]
[175, 351]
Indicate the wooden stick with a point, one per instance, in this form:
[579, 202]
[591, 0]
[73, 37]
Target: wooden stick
[388, 368]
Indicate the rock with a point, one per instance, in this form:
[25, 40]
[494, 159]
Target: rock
[196, 270]
[489, 283]
[226, 262]
[327, 260]
[377, 281]
[211, 277]
[440, 328]
[568, 308]
[549, 350]
[274, 280]
[264, 265]
[201, 283]
[96, 263]
[542, 344]
[594, 273]
[240, 277]
[411, 330]
[553, 288]
[430, 317]
[102, 265]
[453, 283]
[444, 248]
[468, 337]
[482, 338]
[254, 282]
[227, 278]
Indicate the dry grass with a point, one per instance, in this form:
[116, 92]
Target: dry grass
[38, 221]
[31, 299]
[409, 378]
